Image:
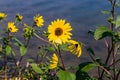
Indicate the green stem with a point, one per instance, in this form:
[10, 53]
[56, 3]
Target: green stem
[114, 62]
[5, 66]
[13, 57]
[61, 58]
[113, 44]
[106, 72]
[106, 61]
[41, 38]
[5, 56]
[117, 76]
[111, 51]
[99, 66]
[99, 72]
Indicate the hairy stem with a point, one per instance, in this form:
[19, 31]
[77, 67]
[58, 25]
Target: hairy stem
[107, 72]
[111, 51]
[112, 39]
[61, 58]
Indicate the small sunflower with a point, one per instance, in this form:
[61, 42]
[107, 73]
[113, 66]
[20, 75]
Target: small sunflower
[38, 19]
[75, 47]
[19, 17]
[2, 15]
[28, 31]
[59, 31]
[12, 27]
[53, 62]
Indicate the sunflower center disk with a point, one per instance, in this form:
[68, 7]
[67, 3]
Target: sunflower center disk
[58, 31]
[76, 45]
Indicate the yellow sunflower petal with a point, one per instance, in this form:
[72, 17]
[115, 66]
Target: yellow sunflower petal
[53, 62]
[12, 27]
[38, 19]
[2, 15]
[75, 48]
[59, 31]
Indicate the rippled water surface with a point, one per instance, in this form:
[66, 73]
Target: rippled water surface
[82, 14]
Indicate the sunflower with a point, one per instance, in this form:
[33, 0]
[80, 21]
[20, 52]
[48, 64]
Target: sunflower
[19, 17]
[53, 62]
[28, 31]
[12, 27]
[75, 47]
[38, 19]
[2, 15]
[59, 31]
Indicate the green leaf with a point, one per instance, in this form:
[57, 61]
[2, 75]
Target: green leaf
[8, 50]
[117, 47]
[118, 4]
[98, 60]
[91, 32]
[65, 75]
[64, 47]
[36, 68]
[106, 12]
[82, 72]
[86, 66]
[81, 75]
[30, 60]
[50, 49]
[117, 22]
[102, 32]
[90, 51]
[1, 69]
[18, 42]
[45, 33]
[13, 53]
[23, 50]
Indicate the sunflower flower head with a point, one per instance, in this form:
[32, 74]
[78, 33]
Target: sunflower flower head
[19, 17]
[75, 48]
[53, 62]
[2, 15]
[38, 19]
[59, 31]
[28, 31]
[11, 27]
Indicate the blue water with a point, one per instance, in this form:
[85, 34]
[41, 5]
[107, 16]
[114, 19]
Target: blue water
[82, 14]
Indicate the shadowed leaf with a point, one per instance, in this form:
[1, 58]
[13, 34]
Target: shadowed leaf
[117, 22]
[36, 68]
[102, 32]
[65, 75]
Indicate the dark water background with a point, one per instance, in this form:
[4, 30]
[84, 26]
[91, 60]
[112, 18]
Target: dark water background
[83, 15]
